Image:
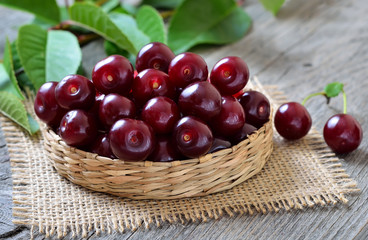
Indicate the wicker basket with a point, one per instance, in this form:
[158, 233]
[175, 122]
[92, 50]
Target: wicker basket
[211, 173]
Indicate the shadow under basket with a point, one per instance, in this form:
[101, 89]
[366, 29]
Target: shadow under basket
[208, 174]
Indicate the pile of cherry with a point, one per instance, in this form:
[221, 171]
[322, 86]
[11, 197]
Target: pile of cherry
[170, 108]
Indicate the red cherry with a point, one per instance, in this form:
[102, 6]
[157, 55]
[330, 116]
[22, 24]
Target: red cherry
[292, 121]
[231, 118]
[131, 139]
[200, 99]
[161, 113]
[219, 144]
[113, 74]
[193, 137]
[151, 83]
[46, 107]
[78, 128]
[187, 68]
[256, 108]
[101, 146]
[165, 151]
[343, 133]
[75, 92]
[230, 75]
[114, 107]
[154, 55]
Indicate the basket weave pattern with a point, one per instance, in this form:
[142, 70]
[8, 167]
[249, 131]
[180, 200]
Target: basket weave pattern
[211, 173]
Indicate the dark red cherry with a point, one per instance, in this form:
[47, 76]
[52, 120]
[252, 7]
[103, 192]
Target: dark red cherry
[164, 151]
[154, 55]
[78, 128]
[113, 74]
[161, 113]
[151, 83]
[231, 118]
[46, 107]
[230, 75]
[114, 107]
[131, 139]
[243, 134]
[187, 68]
[292, 120]
[343, 133]
[75, 92]
[219, 144]
[200, 99]
[256, 108]
[192, 137]
[101, 146]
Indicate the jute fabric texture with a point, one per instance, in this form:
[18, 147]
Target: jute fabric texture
[298, 174]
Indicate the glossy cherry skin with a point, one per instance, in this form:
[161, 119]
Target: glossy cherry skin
[343, 133]
[101, 146]
[75, 92]
[113, 74]
[292, 121]
[114, 107]
[165, 151]
[131, 139]
[230, 75]
[151, 83]
[192, 137]
[219, 144]
[256, 108]
[154, 55]
[231, 118]
[78, 128]
[243, 134]
[187, 68]
[46, 107]
[200, 99]
[161, 113]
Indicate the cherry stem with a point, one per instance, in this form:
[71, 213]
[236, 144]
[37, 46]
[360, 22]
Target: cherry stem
[312, 95]
[345, 101]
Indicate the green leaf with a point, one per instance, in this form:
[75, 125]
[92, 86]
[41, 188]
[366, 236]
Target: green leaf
[333, 89]
[63, 55]
[95, 19]
[110, 5]
[126, 8]
[16, 60]
[8, 81]
[12, 107]
[218, 22]
[128, 26]
[47, 55]
[151, 23]
[272, 5]
[31, 45]
[33, 124]
[163, 3]
[46, 9]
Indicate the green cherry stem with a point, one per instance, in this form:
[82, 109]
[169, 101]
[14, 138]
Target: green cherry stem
[345, 101]
[312, 95]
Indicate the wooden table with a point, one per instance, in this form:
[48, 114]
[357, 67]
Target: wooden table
[309, 44]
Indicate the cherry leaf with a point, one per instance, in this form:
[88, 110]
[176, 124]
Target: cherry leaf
[333, 89]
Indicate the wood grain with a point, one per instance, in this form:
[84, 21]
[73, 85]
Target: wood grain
[309, 44]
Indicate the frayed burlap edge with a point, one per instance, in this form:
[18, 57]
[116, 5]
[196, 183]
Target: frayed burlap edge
[23, 209]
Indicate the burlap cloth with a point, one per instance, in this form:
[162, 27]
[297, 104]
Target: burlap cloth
[299, 174]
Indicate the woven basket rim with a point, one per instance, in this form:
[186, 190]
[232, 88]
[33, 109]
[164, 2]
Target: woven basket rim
[148, 163]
